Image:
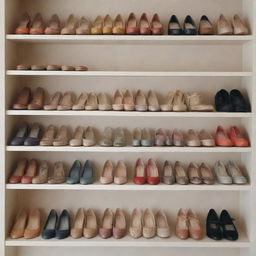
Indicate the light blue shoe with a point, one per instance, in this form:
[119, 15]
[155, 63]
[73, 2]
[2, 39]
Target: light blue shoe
[136, 137]
[147, 139]
[87, 173]
[235, 173]
[221, 173]
[74, 173]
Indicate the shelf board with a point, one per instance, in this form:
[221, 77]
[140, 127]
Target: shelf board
[131, 242]
[126, 114]
[130, 187]
[127, 73]
[130, 39]
[130, 149]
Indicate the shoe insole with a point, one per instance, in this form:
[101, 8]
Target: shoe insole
[79, 220]
[136, 220]
[108, 171]
[119, 24]
[20, 169]
[121, 170]
[194, 172]
[34, 132]
[140, 171]
[189, 26]
[128, 99]
[107, 221]
[229, 227]
[118, 100]
[160, 221]
[144, 24]
[174, 25]
[206, 173]
[132, 23]
[168, 171]
[180, 172]
[78, 134]
[141, 100]
[156, 24]
[120, 222]
[21, 220]
[21, 132]
[148, 220]
[234, 171]
[91, 221]
[137, 134]
[31, 170]
[222, 171]
[194, 224]
[153, 172]
[33, 220]
[64, 223]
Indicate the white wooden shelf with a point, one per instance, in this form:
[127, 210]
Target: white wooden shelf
[131, 149]
[103, 39]
[130, 187]
[128, 241]
[128, 73]
[127, 114]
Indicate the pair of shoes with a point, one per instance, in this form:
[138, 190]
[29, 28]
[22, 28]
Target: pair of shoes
[236, 27]
[85, 224]
[142, 138]
[26, 101]
[83, 137]
[144, 27]
[195, 139]
[113, 137]
[231, 102]
[189, 26]
[234, 138]
[27, 136]
[77, 174]
[143, 103]
[188, 225]
[123, 101]
[50, 138]
[229, 175]
[195, 175]
[220, 227]
[113, 224]
[58, 227]
[27, 224]
[146, 172]
[111, 173]
[51, 67]
[149, 225]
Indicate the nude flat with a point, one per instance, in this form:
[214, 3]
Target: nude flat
[195, 103]
[30, 173]
[118, 102]
[66, 102]
[104, 102]
[162, 226]
[97, 26]
[62, 137]
[37, 26]
[206, 139]
[120, 173]
[54, 26]
[76, 141]
[58, 175]
[106, 228]
[177, 138]
[89, 137]
[136, 223]
[37, 101]
[19, 225]
[128, 101]
[107, 25]
[38, 67]
[67, 68]
[239, 26]
[19, 171]
[181, 176]
[132, 25]
[91, 225]
[54, 101]
[70, 26]
[48, 137]
[107, 138]
[182, 229]
[140, 101]
[119, 25]
[207, 174]
[53, 67]
[80, 102]
[84, 27]
[194, 174]
[78, 224]
[144, 25]
[168, 105]
[92, 102]
[81, 68]
[107, 175]
[119, 224]
[192, 139]
[23, 99]
[42, 175]
[195, 228]
[153, 104]
[149, 228]
[32, 229]
[24, 25]
[156, 25]
[179, 102]
[23, 67]
[223, 26]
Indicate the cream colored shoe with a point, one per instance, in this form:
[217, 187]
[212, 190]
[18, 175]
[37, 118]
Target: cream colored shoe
[136, 223]
[62, 138]
[181, 229]
[239, 26]
[179, 102]
[97, 26]
[153, 104]
[118, 103]
[104, 102]
[107, 25]
[70, 27]
[206, 139]
[107, 175]
[140, 101]
[78, 224]
[66, 102]
[42, 175]
[194, 103]
[168, 106]
[129, 101]
[89, 137]
[192, 139]
[119, 25]
[48, 137]
[163, 229]
[54, 102]
[223, 26]
[149, 228]
[92, 102]
[80, 103]
[91, 225]
[84, 27]
[76, 141]
[120, 173]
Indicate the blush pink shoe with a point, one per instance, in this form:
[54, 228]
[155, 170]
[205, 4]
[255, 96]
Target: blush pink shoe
[106, 228]
[195, 228]
[119, 227]
[30, 172]
[182, 230]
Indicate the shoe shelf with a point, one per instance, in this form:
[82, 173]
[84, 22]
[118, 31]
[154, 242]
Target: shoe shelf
[128, 73]
[127, 114]
[130, 187]
[103, 39]
[127, 241]
[130, 149]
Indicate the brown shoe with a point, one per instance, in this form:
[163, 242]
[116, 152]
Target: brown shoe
[144, 26]
[156, 25]
[195, 228]
[37, 100]
[33, 226]
[223, 26]
[19, 226]
[182, 230]
[181, 176]
[24, 25]
[22, 99]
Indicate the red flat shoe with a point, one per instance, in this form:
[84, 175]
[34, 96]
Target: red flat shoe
[222, 139]
[237, 137]
[30, 172]
[140, 176]
[153, 177]
[19, 171]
